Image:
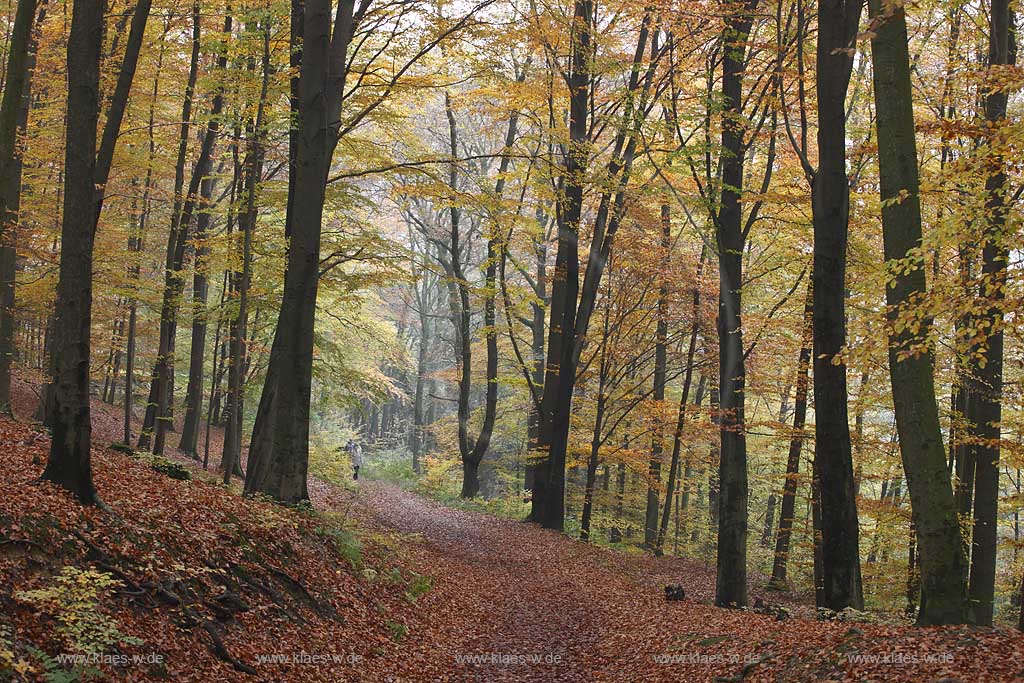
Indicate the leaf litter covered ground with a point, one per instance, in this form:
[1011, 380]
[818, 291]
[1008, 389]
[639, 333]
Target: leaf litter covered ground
[224, 588]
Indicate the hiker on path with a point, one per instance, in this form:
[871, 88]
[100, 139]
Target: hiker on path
[355, 451]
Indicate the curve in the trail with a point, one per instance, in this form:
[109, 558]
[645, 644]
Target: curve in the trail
[513, 583]
[513, 602]
[533, 605]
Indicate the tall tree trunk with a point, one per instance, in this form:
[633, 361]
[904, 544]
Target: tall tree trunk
[173, 237]
[677, 440]
[69, 461]
[788, 508]
[599, 418]
[731, 580]
[238, 329]
[651, 527]
[163, 371]
[279, 447]
[571, 320]
[189, 444]
[17, 89]
[549, 474]
[119, 103]
[911, 363]
[985, 410]
[838, 22]
[472, 450]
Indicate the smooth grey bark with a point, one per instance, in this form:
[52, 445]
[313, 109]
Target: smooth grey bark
[985, 410]
[279, 447]
[572, 303]
[787, 510]
[730, 236]
[677, 441]
[17, 87]
[171, 261]
[189, 444]
[911, 362]
[548, 499]
[69, 463]
[838, 23]
[105, 154]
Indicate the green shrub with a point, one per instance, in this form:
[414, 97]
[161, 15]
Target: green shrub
[398, 630]
[54, 672]
[391, 465]
[419, 586]
[346, 543]
[73, 600]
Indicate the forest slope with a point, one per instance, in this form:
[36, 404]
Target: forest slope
[380, 584]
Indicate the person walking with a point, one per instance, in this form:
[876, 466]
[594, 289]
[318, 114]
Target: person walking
[356, 453]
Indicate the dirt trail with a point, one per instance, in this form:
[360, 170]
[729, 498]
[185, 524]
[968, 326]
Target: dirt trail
[531, 605]
[512, 602]
[511, 583]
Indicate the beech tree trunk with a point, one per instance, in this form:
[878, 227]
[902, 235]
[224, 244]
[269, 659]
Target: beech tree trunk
[913, 385]
[985, 408]
[731, 580]
[787, 511]
[69, 463]
[472, 450]
[172, 262]
[548, 506]
[189, 444]
[279, 447]
[838, 22]
[570, 318]
[13, 119]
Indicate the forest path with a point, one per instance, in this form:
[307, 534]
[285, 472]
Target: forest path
[513, 602]
[517, 590]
